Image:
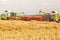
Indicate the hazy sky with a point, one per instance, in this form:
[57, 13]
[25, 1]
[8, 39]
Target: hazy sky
[29, 6]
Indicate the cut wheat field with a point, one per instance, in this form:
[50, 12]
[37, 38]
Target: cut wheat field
[29, 30]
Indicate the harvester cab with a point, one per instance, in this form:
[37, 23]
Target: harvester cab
[12, 16]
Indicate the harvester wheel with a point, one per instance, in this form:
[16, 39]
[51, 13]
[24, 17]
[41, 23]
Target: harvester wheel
[2, 19]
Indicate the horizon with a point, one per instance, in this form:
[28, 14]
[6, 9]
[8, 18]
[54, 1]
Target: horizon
[29, 7]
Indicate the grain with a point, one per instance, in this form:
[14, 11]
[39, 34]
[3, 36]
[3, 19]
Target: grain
[29, 30]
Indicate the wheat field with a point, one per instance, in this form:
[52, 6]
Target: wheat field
[29, 30]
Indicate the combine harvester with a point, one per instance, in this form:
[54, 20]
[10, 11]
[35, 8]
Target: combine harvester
[14, 16]
[42, 16]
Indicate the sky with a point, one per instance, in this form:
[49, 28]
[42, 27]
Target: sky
[29, 7]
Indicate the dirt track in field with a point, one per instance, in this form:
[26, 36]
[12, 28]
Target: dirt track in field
[29, 30]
